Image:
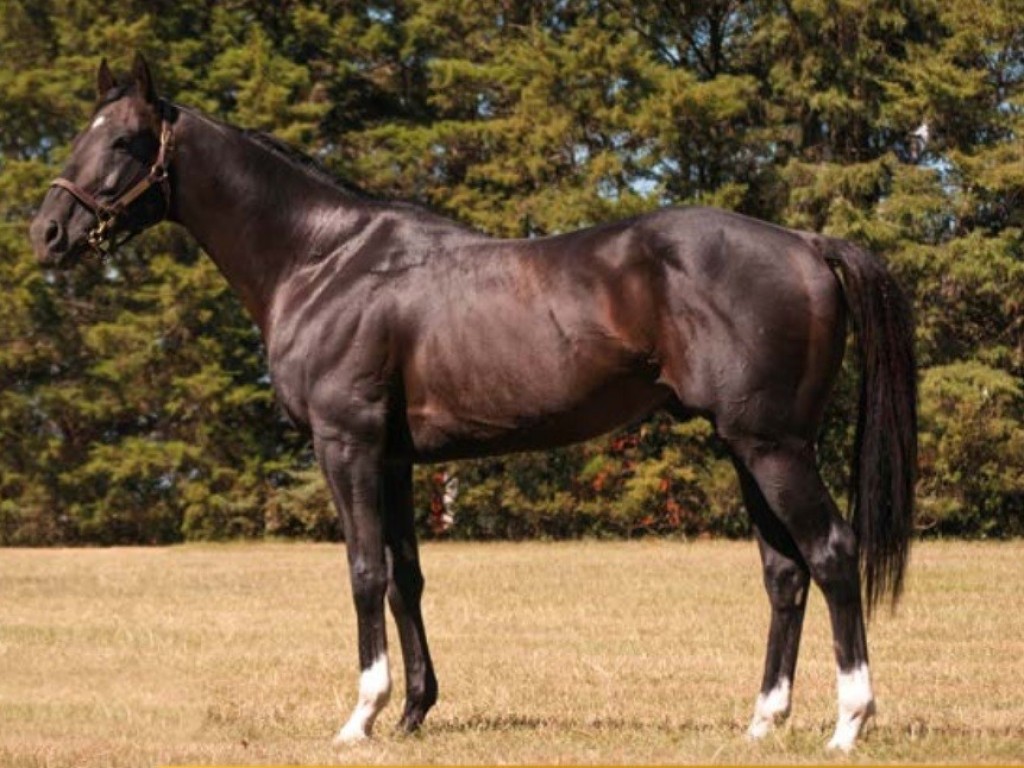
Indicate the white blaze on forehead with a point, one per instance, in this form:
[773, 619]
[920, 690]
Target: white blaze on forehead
[99, 121]
[374, 691]
[856, 705]
[770, 708]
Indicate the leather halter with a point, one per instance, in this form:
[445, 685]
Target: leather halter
[109, 214]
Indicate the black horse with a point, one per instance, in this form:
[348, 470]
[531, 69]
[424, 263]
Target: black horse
[398, 336]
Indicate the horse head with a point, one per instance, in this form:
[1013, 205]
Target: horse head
[115, 184]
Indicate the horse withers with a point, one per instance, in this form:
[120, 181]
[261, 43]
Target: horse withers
[397, 336]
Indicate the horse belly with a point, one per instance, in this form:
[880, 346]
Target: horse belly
[498, 385]
[441, 433]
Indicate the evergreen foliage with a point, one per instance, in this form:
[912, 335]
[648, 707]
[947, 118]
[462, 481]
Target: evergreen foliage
[134, 405]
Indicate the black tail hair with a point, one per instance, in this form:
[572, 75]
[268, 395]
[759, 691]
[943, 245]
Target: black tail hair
[884, 466]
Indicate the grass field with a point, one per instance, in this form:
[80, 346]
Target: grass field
[546, 653]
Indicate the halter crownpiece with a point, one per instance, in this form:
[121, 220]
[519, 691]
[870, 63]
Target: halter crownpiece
[108, 214]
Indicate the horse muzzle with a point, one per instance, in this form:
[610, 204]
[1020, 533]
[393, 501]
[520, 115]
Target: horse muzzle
[54, 246]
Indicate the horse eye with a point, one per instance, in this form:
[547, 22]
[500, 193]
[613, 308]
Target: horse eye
[121, 143]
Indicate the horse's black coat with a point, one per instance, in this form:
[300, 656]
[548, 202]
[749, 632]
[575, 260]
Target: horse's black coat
[397, 336]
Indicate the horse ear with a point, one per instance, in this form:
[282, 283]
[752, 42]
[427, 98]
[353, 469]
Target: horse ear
[104, 80]
[143, 79]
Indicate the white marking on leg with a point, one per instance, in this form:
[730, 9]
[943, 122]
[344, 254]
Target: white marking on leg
[99, 121]
[374, 692]
[856, 706]
[771, 708]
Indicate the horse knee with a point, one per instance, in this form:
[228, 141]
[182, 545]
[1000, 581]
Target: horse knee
[369, 585]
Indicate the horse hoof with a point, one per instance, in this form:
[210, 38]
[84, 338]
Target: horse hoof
[840, 744]
[758, 730]
[349, 736]
[412, 719]
[850, 727]
[771, 709]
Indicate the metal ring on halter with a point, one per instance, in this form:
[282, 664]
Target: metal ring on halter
[98, 234]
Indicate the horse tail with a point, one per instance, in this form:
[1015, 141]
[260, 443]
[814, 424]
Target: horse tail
[884, 465]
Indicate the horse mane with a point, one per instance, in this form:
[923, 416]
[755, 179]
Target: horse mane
[315, 168]
[290, 154]
[282, 149]
[296, 158]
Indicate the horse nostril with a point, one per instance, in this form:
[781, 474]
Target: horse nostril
[54, 235]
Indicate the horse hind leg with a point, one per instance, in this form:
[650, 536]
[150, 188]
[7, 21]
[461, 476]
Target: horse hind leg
[786, 579]
[787, 476]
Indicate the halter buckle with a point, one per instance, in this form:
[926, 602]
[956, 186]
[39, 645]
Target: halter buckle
[98, 235]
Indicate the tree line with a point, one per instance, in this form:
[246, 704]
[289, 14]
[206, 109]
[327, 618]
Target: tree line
[134, 405]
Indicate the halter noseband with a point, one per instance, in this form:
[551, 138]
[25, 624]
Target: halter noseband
[108, 214]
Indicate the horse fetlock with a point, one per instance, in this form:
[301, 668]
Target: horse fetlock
[375, 684]
[856, 707]
[412, 718]
[374, 693]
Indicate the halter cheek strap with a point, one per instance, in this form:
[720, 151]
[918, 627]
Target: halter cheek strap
[109, 214]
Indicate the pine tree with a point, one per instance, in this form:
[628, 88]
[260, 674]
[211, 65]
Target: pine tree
[134, 404]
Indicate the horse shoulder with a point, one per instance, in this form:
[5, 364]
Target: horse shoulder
[327, 349]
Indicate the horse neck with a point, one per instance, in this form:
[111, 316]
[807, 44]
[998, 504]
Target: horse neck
[256, 214]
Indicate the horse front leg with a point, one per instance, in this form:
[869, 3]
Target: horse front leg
[352, 469]
[405, 590]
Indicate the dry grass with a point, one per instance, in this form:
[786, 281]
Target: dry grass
[585, 652]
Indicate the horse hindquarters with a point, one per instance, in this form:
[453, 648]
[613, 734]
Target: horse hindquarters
[771, 320]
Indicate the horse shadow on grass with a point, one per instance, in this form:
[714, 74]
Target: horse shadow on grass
[879, 734]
